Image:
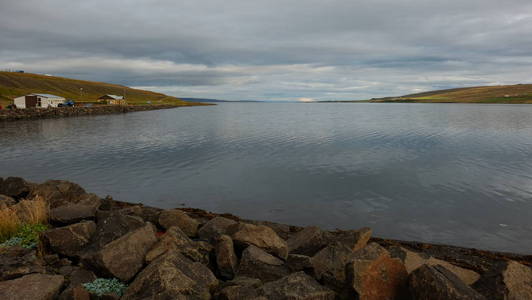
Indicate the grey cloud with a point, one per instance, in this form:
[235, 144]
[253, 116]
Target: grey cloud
[273, 49]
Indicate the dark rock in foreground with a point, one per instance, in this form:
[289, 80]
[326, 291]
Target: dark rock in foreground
[438, 283]
[33, 286]
[193, 254]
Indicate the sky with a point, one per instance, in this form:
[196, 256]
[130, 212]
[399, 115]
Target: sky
[273, 49]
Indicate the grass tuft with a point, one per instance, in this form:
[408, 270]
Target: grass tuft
[9, 223]
[33, 211]
[20, 224]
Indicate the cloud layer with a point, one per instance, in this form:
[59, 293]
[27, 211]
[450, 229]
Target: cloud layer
[276, 50]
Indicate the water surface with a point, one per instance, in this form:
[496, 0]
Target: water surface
[448, 173]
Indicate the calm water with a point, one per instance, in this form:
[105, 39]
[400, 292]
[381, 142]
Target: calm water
[448, 173]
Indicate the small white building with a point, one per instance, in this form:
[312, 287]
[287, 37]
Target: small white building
[38, 100]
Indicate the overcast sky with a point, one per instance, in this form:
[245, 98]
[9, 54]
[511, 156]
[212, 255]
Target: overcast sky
[273, 49]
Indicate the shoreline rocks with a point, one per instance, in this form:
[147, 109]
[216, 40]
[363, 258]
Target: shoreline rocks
[194, 254]
[65, 112]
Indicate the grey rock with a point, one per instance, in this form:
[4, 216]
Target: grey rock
[226, 259]
[33, 286]
[17, 261]
[257, 263]
[308, 241]
[113, 226]
[15, 187]
[413, 260]
[215, 227]
[175, 240]
[172, 276]
[240, 288]
[72, 213]
[60, 192]
[354, 239]
[505, 281]
[296, 286]
[68, 240]
[124, 257]
[176, 217]
[438, 283]
[329, 265]
[298, 262]
[260, 236]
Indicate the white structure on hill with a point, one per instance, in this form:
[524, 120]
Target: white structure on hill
[38, 100]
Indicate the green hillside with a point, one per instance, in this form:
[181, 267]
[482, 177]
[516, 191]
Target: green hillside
[18, 84]
[519, 93]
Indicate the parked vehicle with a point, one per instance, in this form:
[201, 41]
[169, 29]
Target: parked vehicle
[68, 103]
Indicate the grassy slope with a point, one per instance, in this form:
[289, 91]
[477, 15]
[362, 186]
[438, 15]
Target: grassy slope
[520, 93]
[18, 84]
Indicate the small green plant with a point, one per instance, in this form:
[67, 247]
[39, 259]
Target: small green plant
[27, 236]
[102, 286]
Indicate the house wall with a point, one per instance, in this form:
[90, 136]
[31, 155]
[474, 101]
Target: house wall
[117, 102]
[51, 102]
[36, 101]
[20, 102]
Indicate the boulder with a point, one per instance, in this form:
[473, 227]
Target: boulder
[354, 239]
[77, 276]
[72, 213]
[68, 240]
[329, 265]
[257, 263]
[226, 259]
[506, 280]
[175, 217]
[215, 227]
[112, 227]
[15, 187]
[60, 192]
[240, 288]
[413, 260]
[17, 261]
[296, 286]
[33, 286]
[148, 214]
[308, 241]
[124, 257]
[374, 275]
[172, 276]
[298, 262]
[283, 231]
[6, 201]
[176, 240]
[518, 281]
[75, 293]
[438, 283]
[260, 236]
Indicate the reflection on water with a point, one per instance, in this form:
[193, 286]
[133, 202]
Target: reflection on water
[447, 173]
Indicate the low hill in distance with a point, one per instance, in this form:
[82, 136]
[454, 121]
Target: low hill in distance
[511, 94]
[13, 85]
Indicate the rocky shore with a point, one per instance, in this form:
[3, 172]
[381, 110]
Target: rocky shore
[64, 112]
[99, 248]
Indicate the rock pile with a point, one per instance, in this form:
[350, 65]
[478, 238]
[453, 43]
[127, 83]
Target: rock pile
[189, 254]
[63, 112]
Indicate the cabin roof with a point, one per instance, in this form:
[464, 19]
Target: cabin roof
[45, 95]
[113, 96]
